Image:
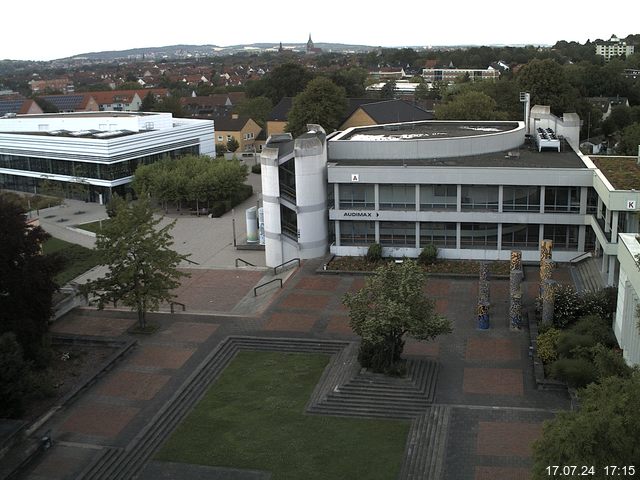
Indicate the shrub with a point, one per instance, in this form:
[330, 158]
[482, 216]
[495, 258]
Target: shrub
[547, 345]
[567, 306]
[577, 372]
[602, 303]
[609, 363]
[374, 253]
[256, 168]
[571, 344]
[597, 328]
[13, 377]
[428, 255]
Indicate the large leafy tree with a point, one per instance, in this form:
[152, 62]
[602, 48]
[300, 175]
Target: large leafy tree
[547, 83]
[26, 281]
[469, 105]
[257, 109]
[285, 80]
[630, 140]
[142, 265]
[392, 304]
[322, 103]
[604, 431]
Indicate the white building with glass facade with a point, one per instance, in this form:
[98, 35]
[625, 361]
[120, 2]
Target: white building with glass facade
[98, 149]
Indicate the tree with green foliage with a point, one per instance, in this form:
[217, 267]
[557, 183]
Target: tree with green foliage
[547, 83]
[469, 105]
[26, 282]
[604, 431]
[322, 102]
[142, 265]
[630, 140]
[352, 80]
[257, 109]
[286, 80]
[232, 145]
[149, 103]
[14, 374]
[170, 104]
[391, 305]
[388, 91]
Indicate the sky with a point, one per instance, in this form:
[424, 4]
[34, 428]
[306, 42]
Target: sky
[45, 30]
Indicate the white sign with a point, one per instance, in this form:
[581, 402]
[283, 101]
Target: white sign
[631, 204]
[355, 177]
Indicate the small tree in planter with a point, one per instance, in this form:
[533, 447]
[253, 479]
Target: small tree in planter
[233, 145]
[391, 305]
[374, 253]
[428, 255]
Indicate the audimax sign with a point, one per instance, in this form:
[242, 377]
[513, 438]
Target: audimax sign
[361, 214]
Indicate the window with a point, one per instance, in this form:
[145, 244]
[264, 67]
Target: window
[398, 234]
[516, 235]
[229, 137]
[520, 199]
[397, 197]
[592, 201]
[478, 235]
[480, 197]
[562, 199]
[220, 138]
[289, 222]
[439, 234]
[438, 197]
[356, 196]
[564, 237]
[357, 233]
[287, 174]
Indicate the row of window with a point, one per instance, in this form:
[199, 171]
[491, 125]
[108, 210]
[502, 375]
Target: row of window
[100, 171]
[444, 235]
[473, 197]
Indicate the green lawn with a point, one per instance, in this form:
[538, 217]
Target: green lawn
[93, 226]
[77, 259]
[253, 418]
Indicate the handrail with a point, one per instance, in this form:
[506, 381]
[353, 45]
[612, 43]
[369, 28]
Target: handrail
[255, 290]
[578, 258]
[275, 269]
[243, 261]
[171, 304]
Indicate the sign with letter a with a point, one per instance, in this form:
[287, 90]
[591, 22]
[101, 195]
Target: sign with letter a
[355, 177]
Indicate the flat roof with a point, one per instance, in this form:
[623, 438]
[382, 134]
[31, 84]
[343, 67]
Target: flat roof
[622, 172]
[527, 156]
[105, 113]
[425, 130]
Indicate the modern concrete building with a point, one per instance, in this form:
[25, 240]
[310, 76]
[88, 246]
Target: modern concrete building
[614, 47]
[99, 150]
[625, 325]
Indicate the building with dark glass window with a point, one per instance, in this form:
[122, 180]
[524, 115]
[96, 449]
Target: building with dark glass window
[476, 190]
[100, 150]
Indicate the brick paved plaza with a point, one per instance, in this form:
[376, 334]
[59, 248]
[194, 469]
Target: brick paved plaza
[485, 377]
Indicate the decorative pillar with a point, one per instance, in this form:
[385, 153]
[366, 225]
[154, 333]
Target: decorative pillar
[515, 290]
[548, 301]
[483, 297]
[546, 265]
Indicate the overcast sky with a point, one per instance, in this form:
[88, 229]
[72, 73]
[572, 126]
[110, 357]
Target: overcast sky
[45, 30]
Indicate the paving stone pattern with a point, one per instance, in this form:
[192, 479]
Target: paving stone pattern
[478, 421]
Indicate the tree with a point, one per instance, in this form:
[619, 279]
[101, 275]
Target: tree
[545, 80]
[630, 140]
[232, 144]
[352, 80]
[257, 108]
[26, 282]
[286, 80]
[602, 432]
[14, 372]
[391, 305]
[388, 90]
[322, 103]
[149, 103]
[142, 266]
[469, 105]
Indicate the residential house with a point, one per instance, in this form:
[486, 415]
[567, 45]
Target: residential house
[211, 106]
[243, 129]
[76, 102]
[19, 106]
[614, 47]
[126, 100]
[607, 104]
[387, 111]
[64, 85]
[452, 74]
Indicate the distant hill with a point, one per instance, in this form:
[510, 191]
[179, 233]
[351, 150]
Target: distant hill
[177, 51]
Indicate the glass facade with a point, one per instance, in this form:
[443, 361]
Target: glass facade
[398, 234]
[438, 197]
[357, 233]
[287, 176]
[479, 235]
[480, 197]
[564, 237]
[520, 236]
[289, 222]
[520, 199]
[562, 199]
[440, 234]
[356, 197]
[397, 197]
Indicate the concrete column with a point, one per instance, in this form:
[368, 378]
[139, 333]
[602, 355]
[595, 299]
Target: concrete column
[458, 229]
[336, 196]
[542, 194]
[582, 237]
[459, 199]
[499, 236]
[607, 220]
[599, 211]
[584, 191]
[612, 271]
[336, 230]
[417, 234]
[500, 199]
[614, 226]
[603, 267]
[377, 231]
[376, 197]
[417, 198]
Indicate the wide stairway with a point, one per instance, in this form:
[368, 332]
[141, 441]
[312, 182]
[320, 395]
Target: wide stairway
[586, 275]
